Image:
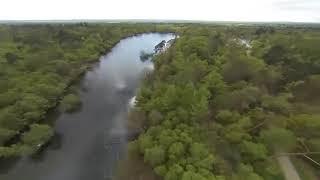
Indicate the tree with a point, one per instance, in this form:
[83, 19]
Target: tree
[269, 77]
[189, 175]
[216, 41]
[307, 90]
[37, 136]
[70, 103]
[227, 117]
[279, 139]
[155, 117]
[8, 98]
[161, 170]
[11, 57]
[214, 83]
[145, 142]
[197, 45]
[176, 151]
[5, 134]
[245, 172]
[240, 99]
[278, 104]
[174, 173]
[155, 155]
[11, 119]
[276, 54]
[241, 67]
[31, 107]
[9, 152]
[254, 151]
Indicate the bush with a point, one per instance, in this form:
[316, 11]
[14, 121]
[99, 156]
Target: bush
[70, 103]
[36, 137]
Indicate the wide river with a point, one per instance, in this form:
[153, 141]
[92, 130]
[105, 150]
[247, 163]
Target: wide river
[82, 149]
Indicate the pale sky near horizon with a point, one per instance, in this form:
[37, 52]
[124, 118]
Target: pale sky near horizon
[207, 10]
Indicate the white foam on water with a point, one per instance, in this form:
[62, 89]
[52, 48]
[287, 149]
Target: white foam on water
[132, 102]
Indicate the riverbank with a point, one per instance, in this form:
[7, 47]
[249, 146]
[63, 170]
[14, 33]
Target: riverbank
[94, 137]
[92, 41]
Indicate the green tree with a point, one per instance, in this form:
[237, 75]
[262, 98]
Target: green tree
[70, 103]
[155, 155]
[241, 67]
[254, 151]
[188, 175]
[279, 139]
[174, 173]
[245, 172]
[145, 142]
[36, 137]
[11, 57]
[5, 134]
[176, 151]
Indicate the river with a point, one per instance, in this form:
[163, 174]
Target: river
[82, 149]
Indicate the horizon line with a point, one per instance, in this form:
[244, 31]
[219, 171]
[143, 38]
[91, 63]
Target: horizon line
[149, 20]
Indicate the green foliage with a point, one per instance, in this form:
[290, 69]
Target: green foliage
[279, 139]
[277, 104]
[189, 175]
[212, 109]
[245, 172]
[307, 90]
[145, 142]
[239, 99]
[155, 117]
[174, 173]
[255, 151]
[161, 170]
[7, 152]
[238, 105]
[227, 117]
[70, 103]
[155, 155]
[39, 62]
[176, 151]
[241, 67]
[194, 102]
[37, 136]
[5, 134]
[214, 83]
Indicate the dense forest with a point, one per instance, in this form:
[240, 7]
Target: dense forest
[38, 64]
[226, 103]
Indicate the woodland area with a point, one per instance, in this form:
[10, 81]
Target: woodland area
[225, 102]
[38, 64]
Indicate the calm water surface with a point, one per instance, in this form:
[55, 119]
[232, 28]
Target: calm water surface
[82, 148]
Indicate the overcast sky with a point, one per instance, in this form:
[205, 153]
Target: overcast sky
[212, 10]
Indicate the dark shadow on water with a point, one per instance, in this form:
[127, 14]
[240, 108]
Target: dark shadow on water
[7, 164]
[54, 144]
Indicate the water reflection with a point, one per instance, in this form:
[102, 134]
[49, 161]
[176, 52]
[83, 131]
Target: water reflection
[89, 142]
